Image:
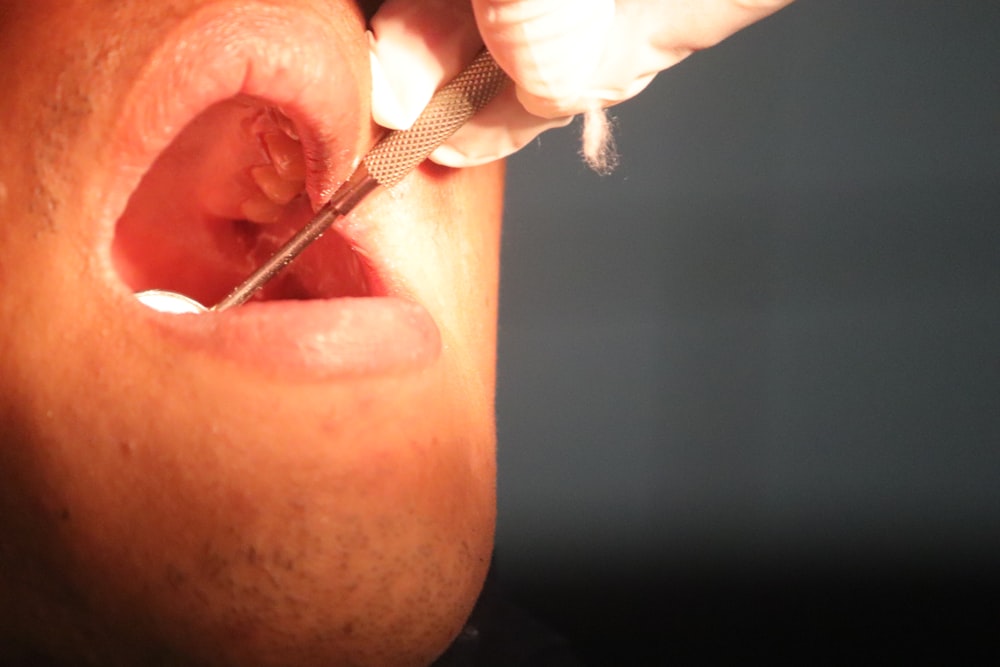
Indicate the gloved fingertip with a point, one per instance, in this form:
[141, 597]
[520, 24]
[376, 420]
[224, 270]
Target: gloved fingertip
[449, 156]
[548, 107]
[488, 138]
[386, 110]
[398, 95]
[596, 96]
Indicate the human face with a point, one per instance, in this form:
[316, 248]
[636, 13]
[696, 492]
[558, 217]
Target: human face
[293, 482]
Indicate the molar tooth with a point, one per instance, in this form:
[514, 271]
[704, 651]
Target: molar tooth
[286, 155]
[261, 210]
[283, 122]
[279, 190]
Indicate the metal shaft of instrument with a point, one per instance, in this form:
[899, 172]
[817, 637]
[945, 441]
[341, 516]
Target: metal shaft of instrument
[357, 187]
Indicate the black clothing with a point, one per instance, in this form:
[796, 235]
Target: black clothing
[498, 634]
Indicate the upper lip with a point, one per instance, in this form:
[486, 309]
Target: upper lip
[284, 57]
[291, 60]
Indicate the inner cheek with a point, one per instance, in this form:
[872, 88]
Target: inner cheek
[219, 201]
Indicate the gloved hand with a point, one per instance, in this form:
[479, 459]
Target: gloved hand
[566, 56]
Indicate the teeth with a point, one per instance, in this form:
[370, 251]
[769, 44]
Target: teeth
[274, 192]
[284, 123]
[283, 177]
[286, 155]
[279, 190]
[262, 210]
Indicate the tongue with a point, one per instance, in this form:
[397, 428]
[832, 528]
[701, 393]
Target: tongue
[215, 205]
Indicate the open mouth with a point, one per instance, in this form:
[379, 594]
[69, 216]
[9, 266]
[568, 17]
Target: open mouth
[257, 147]
[226, 193]
[240, 128]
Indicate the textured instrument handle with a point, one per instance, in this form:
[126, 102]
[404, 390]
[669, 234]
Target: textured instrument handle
[399, 152]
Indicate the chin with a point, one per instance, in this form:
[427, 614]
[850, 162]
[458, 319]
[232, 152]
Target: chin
[305, 480]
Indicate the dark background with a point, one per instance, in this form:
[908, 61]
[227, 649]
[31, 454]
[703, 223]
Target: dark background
[749, 395]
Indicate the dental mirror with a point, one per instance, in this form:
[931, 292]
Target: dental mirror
[169, 302]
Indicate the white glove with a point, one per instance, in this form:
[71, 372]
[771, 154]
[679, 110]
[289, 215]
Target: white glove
[566, 57]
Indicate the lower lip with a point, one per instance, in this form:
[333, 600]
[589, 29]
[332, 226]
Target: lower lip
[312, 339]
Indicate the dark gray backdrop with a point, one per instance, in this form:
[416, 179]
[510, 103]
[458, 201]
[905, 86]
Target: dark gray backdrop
[770, 339]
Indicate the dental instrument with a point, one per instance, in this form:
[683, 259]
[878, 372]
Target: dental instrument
[392, 158]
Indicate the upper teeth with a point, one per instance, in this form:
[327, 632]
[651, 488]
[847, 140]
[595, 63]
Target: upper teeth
[281, 180]
[276, 188]
[286, 155]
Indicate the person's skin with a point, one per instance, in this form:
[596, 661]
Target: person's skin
[304, 484]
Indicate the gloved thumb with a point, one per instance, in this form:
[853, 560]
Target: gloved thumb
[552, 48]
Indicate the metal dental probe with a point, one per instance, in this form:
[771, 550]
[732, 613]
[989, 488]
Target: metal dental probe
[392, 158]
